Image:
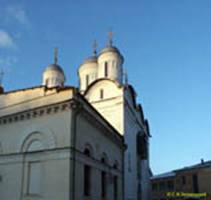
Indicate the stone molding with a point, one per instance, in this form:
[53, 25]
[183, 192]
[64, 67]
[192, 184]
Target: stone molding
[43, 155]
[37, 112]
[42, 134]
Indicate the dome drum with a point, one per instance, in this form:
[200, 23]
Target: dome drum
[88, 72]
[107, 64]
[53, 76]
[110, 64]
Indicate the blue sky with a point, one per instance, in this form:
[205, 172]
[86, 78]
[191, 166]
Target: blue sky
[167, 50]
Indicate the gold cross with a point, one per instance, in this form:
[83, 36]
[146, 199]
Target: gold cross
[110, 37]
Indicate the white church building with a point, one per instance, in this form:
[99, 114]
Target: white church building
[90, 142]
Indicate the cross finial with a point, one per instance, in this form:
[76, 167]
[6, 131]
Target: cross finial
[55, 55]
[110, 38]
[1, 76]
[94, 46]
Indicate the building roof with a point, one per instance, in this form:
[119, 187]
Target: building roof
[98, 80]
[164, 175]
[90, 59]
[36, 87]
[173, 173]
[196, 166]
[54, 67]
[111, 49]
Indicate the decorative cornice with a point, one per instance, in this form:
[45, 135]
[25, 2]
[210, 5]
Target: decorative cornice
[38, 112]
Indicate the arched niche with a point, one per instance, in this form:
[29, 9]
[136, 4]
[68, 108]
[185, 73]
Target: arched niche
[37, 139]
[104, 158]
[88, 147]
[115, 164]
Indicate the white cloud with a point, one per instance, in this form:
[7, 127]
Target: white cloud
[17, 13]
[6, 40]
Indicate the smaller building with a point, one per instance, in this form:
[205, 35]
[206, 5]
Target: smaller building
[193, 182]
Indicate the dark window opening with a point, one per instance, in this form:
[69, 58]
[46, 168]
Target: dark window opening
[115, 166]
[170, 185]
[115, 187]
[106, 69]
[162, 186]
[87, 176]
[87, 152]
[183, 180]
[195, 183]
[101, 94]
[103, 184]
[87, 80]
[154, 186]
[142, 146]
[103, 180]
[46, 82]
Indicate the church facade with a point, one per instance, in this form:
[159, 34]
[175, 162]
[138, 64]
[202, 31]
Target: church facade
[62, 142]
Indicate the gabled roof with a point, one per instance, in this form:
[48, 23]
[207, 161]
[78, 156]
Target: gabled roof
[37, 87]
[196, 166]
[201, 165]
[98, 80]
[164, 175]
[132, 92]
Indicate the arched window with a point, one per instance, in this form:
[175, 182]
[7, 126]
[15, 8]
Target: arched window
[106, 69]
[87, 80]
[33, 170]
[101, 94]
[103, 179]
[115, 166]
[113, 63]
[87, 151]
[47, 82]
[142, 145]
[115, 181]
[87, 175]
[115, 187]
[37, 141]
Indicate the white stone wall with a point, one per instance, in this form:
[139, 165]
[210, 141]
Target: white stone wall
[114, 64]
[93, 136]
[119, 107]
[111, 106]
[89, 69]
[20, 149]
[134, 125]
[36, 156]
